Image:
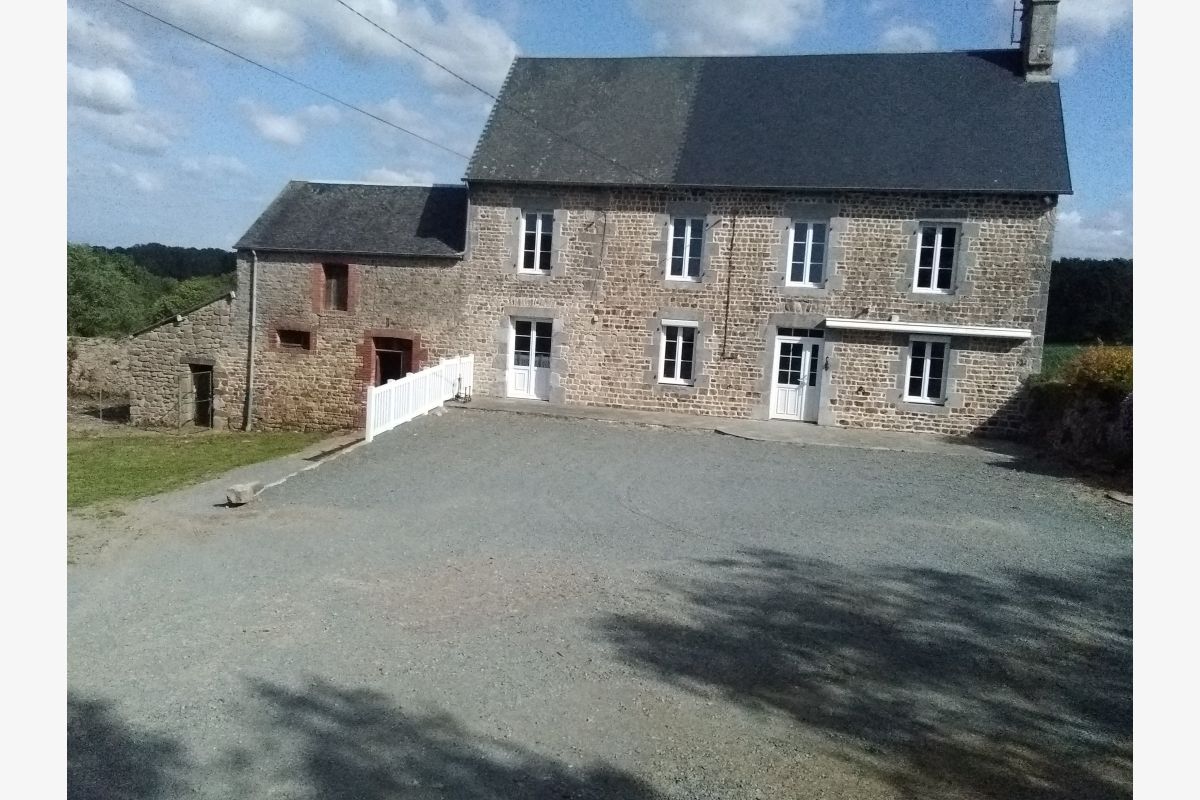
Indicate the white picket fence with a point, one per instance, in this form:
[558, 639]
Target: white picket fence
[413, 395]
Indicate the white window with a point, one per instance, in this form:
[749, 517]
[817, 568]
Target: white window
[687, 245]
[677, 352]
[927, 358]
[537, 240]
[806, 254]
[936, 255]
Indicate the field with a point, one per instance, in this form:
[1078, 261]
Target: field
[128, 466]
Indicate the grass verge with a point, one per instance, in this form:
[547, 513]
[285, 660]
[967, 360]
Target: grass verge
[103, 468]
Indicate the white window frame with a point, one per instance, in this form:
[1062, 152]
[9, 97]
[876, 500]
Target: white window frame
[929, 340]
[941, 225]
[540, 256]
[808, 243]
[662, 351]
[687, 248]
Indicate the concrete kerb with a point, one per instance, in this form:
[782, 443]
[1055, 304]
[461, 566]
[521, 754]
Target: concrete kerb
[774, 431]
[320, 453]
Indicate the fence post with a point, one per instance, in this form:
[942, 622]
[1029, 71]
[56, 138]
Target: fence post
[370, 431]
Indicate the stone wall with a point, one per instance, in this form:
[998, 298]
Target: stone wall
[97, 366]
[607, 296]
[324, 387]
[160, 375]
[607, 293]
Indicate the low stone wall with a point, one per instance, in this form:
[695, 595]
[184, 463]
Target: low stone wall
[97, 366]
[1087, 428]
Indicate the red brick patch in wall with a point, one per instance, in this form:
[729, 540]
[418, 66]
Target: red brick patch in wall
[366, 359]
[282, 336]
[318, 283]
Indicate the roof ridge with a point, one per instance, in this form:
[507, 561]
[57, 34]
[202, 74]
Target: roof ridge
[730, 56]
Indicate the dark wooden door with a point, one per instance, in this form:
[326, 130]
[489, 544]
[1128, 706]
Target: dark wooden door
[202, 392]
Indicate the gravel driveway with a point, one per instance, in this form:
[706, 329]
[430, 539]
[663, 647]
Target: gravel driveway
[487, 605]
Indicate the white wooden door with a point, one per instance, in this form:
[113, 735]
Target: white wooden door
[529, 359]
[796, 389]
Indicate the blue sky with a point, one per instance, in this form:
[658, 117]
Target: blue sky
[170, 140]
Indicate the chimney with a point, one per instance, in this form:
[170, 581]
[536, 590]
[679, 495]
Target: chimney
[1038, 18]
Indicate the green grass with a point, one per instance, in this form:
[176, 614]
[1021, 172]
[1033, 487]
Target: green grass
[1054, 356]
[101, 468]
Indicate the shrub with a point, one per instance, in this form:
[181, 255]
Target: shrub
[1101, 368]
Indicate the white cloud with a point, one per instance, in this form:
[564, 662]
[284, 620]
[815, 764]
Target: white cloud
[400, 113]
[1084, 19]
[89, 36]
[135, 131]
[278, 128]
[1107, 233]
[418, 177]
[450, 31]
[1066, 60]
[879, 7]
[214, 165]
[142, 180]
[286, 129]
[901, 37]
[1094, 17]
[256, 29]
[105, 89]
[727, 27]
[321, 115]
[475, 46]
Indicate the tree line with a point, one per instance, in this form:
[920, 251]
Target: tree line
[115, 291]
[1091, 301]
[110, 292]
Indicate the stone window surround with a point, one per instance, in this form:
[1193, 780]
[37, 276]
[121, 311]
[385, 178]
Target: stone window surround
[559, 367]
[291, 325]
[766, 383]
[954, 373]
[835, 251]
[965, 258]
[353, 277]
[700, 352]
[662, 246]
[929, 342]
[514, 241]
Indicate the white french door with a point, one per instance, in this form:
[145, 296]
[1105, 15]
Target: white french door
[529, 359]
[796, 388]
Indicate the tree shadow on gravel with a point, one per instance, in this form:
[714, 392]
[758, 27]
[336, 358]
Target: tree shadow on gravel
[323, 742]
[355, 744]
[945, 684]
[107, 759]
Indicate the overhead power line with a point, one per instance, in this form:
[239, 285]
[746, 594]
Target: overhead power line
[296, 81]
[530, 119]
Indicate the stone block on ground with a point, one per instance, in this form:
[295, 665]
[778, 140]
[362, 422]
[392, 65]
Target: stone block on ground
[242, 493]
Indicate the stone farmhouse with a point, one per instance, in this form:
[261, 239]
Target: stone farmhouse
[853, 240]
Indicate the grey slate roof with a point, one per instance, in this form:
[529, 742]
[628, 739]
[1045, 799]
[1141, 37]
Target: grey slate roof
[363, 220]
[961, 121]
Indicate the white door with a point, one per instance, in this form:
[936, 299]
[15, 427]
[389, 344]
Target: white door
[529, 359]
[796, 392]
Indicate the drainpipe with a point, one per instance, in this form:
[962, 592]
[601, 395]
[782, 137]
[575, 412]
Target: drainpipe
[248, 411]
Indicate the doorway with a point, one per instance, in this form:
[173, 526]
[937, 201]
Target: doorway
[796, 390]
[202, 395]
[529, 359]
[393, 359]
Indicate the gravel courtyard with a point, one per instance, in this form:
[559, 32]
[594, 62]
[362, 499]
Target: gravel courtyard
[490, 605]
